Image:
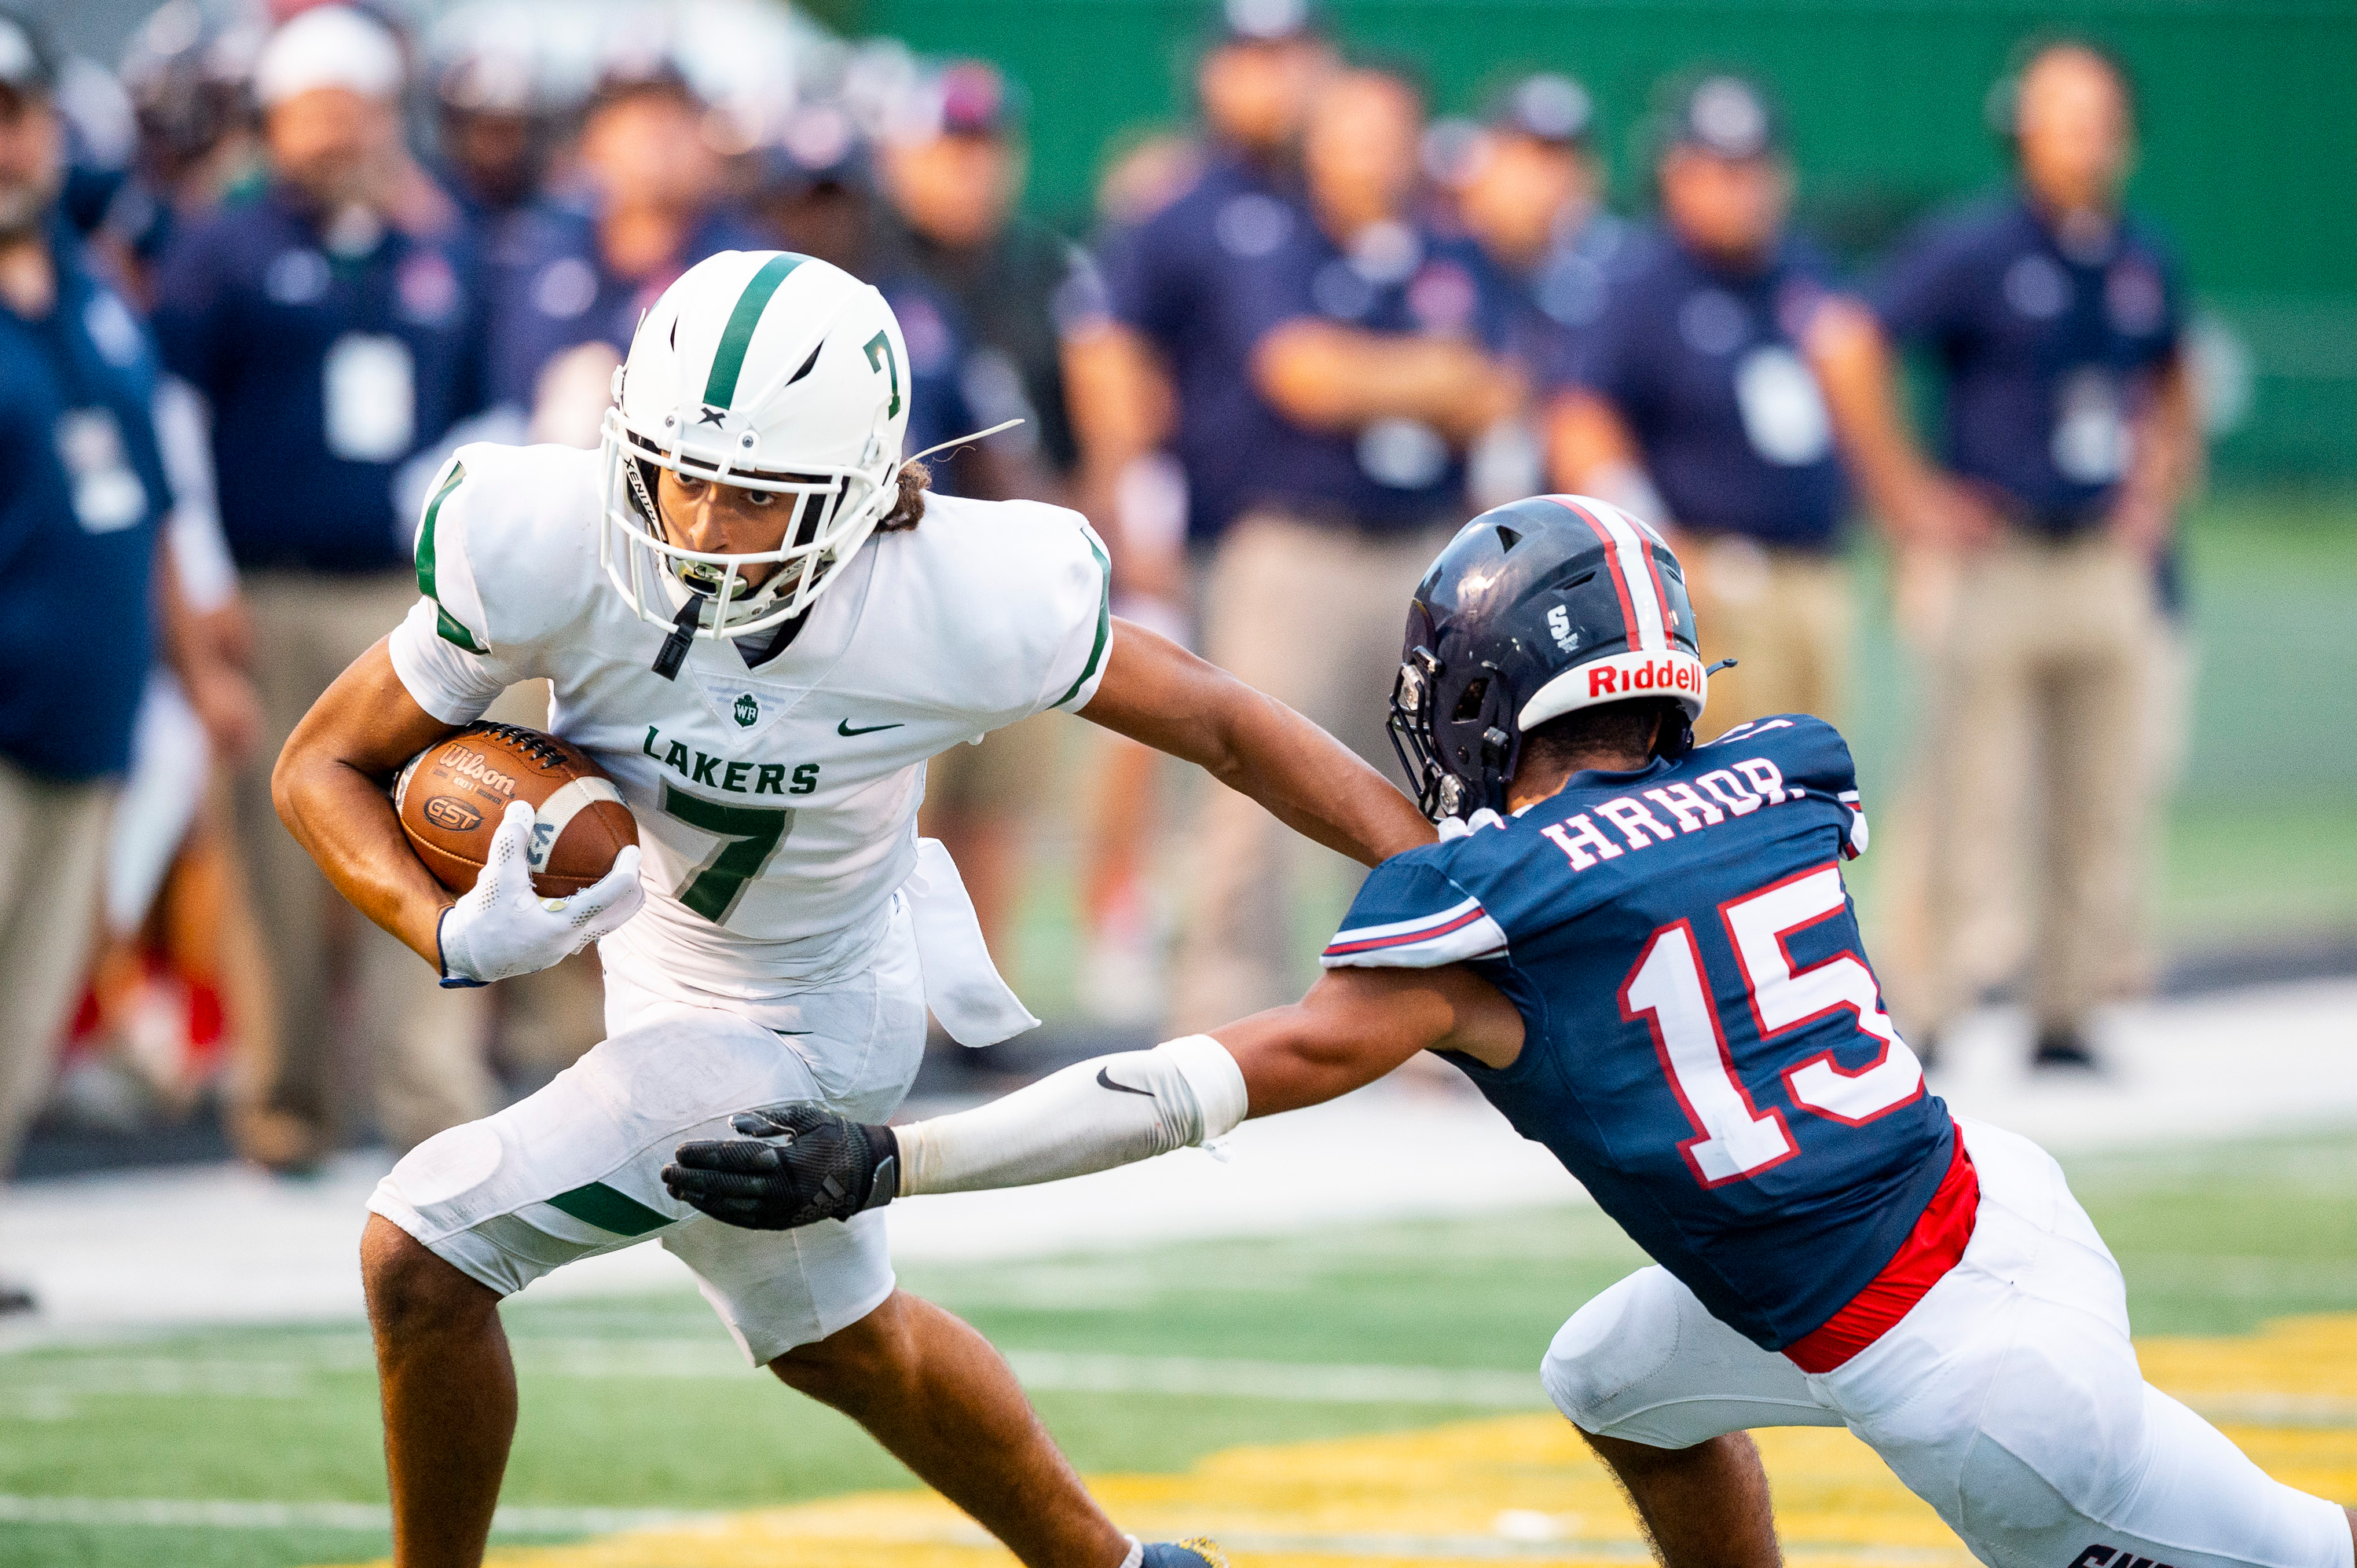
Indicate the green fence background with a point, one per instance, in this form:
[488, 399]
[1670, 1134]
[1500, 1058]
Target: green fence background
[2250, 129]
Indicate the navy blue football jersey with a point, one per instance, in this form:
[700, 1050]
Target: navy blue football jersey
[1705, 1048]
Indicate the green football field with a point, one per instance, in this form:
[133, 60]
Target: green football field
[262, 1444]
[639, 1404]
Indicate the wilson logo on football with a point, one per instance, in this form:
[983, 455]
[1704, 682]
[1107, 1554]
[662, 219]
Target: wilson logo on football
[457, 816]
[470, 764]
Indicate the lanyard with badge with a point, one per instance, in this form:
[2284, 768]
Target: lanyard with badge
[107, 492]
[368, 379]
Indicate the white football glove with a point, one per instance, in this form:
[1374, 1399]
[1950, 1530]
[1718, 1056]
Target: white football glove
[501, 927]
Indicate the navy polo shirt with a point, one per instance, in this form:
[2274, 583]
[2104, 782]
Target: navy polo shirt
[325, 373]
[1022, 294]
[82, 493]
[1165, 279]
[1704, 364]
[1399, 279]
[939, 345]
[557, 292]
[2043, 352]
[1560, 301]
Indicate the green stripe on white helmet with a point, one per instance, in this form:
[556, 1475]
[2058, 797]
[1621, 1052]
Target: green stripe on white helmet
[767, 370]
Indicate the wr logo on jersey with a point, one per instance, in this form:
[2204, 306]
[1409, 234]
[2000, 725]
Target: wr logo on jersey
[749, 711]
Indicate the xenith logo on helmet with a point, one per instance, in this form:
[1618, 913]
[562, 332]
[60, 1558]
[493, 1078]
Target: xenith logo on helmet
[749, 711]
[1653, 675]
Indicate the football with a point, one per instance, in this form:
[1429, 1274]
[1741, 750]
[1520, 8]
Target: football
[450, 798]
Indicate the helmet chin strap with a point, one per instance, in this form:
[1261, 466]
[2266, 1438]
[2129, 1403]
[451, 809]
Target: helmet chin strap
[683, 632]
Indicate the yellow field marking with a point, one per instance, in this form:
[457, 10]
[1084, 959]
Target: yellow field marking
[1522, 1489]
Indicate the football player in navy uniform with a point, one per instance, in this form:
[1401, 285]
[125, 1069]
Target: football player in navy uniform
[1641, 950]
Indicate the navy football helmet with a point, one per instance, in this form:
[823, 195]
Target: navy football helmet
[1535, 610]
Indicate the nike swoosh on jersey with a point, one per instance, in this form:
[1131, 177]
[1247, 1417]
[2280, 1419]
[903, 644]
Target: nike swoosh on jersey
[843, 727]
[1103, 1078]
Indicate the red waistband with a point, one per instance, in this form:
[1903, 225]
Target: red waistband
[1930, 1250]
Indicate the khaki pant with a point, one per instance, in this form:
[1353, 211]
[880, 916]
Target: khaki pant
[1785, 616]
[2038, 749]
[52, 870]
[1313, 615]
[406, 1046]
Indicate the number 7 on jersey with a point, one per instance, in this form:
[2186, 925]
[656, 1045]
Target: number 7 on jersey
[749, 837]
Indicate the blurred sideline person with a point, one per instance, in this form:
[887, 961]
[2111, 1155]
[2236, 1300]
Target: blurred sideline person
[491, 135]
[2056, 324]
[190, 78]
[1022, 291]
[583, 272]
[1370, 343]
[1159, 403]
[1531, 193]
[1693, 406]
[816, 194]
[1164, 377]
[80, 588]
[331, 343]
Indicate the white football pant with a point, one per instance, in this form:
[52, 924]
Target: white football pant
[2009, 1398]
[576, 1169]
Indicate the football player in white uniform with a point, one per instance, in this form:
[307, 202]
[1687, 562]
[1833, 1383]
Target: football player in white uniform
[759, 623]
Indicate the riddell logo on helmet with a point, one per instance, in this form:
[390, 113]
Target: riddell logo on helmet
[1652, 675]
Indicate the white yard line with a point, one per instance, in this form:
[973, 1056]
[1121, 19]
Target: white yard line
[52, 1387]
[202, 1513]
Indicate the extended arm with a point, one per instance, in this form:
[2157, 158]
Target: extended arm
[1156, 691]
[800, 1164]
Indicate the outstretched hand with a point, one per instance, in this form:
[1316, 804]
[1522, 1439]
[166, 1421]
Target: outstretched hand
[795, 1164]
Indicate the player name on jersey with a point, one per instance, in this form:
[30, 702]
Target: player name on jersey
[1736, 790]
[728, 774]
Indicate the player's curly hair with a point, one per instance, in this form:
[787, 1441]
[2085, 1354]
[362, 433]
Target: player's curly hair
[915, 478]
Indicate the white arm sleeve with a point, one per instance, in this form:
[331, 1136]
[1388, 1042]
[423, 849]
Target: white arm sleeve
[1106, 1111]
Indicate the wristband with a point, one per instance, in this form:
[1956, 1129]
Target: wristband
[442, 964]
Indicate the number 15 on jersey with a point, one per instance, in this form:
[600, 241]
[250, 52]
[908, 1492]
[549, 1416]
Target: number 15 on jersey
[1670, 992]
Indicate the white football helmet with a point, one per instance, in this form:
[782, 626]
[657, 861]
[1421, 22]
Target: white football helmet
[770, 371]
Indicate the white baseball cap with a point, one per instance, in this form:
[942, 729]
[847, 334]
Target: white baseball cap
[329, 46]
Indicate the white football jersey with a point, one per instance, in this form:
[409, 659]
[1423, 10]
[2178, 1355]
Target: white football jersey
[777, 804]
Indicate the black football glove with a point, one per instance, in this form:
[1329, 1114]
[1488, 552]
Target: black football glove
[796, 1165]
